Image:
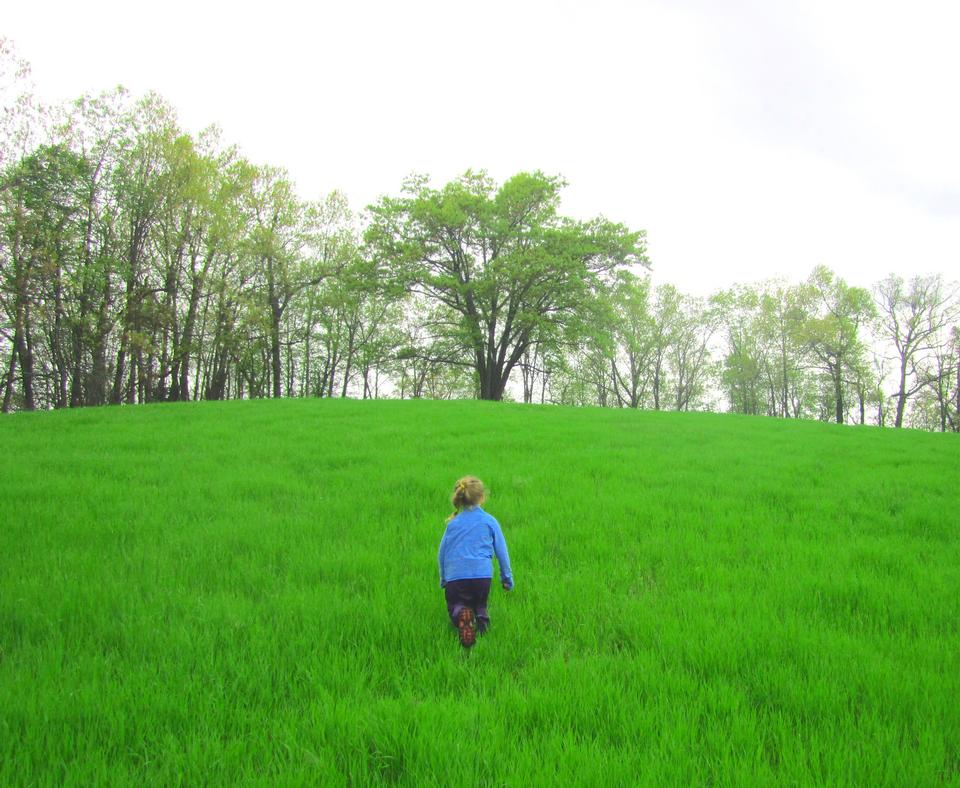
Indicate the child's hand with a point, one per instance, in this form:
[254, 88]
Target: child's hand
[507, 584]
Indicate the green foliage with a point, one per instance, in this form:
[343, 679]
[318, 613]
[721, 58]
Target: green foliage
[830, 329]
[507, 268]
[799, 351]
[765, 368]
[246, 592]
[142, 263]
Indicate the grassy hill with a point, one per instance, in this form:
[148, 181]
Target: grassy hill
[207, 593]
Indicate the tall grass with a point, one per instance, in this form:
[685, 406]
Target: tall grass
[248, 591]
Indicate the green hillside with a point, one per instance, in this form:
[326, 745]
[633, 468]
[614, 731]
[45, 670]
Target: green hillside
[248, 591]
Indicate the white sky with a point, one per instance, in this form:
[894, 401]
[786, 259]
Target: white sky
[750, 139]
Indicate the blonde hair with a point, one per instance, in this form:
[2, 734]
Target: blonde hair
[468, 491]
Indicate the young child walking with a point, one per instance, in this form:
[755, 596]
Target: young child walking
[466, 551]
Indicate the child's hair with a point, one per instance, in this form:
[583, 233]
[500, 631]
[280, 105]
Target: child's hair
[468, 491]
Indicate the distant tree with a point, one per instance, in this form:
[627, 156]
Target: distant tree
[833, 315]
[665, 312]
[689, 352]
[863, 384]
[635, 335]
[881, 369]
[538, 364]
[39, 204]
[21, 115]
[910, 315]
[581, 378]
[138, 185]
[189, 243]
[222, 343]
[353, 323]
[501, 260]
[763, 366]
[779, 319]
[298, 246]
[98, 128]
[379, 339]
[742, 373]
[427, 360]
[276, 241]
[21, 182]
[592, 366]
[941, 372]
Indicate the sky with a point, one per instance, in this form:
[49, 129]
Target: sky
[750, 140]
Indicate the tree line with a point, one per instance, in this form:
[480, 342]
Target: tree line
[140, 263]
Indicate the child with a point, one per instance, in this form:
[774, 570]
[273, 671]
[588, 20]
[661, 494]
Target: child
[466, 550]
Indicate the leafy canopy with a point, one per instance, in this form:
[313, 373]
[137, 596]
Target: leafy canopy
[508, 270]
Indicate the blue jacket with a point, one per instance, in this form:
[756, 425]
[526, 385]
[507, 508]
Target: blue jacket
[468, 546]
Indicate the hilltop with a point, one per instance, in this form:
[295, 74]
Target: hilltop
[248, 590]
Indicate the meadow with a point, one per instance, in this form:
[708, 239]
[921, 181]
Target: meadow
[247, 592]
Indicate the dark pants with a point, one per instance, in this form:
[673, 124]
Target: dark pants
[471, 593]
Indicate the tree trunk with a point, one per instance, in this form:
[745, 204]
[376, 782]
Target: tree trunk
[116, 396]
[901, 393]
[656, 385]
[132, 386]
[181, 369]
[305, 386]
[202, 364]
[838, 393]
[80, 389]
[785, 401]
[276, 359]
[76, 378]
[57, 351]
[11, 374]
[21, 349]
[491, 387]
[351, 352]
[168, 352]
[96, 393]
[956, 424]
[290, 371]
[25, 350]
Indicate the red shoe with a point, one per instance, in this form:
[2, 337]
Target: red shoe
[467, 626]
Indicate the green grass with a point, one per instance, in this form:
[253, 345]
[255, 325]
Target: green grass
[247, 591]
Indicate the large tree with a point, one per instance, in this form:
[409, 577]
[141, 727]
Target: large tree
[834, 313]
[508, 269]
[911, 316]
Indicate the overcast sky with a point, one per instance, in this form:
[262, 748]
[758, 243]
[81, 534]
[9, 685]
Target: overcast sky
[749, 139]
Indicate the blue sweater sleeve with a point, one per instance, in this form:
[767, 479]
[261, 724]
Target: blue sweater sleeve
[503, 557]
[443, 542]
